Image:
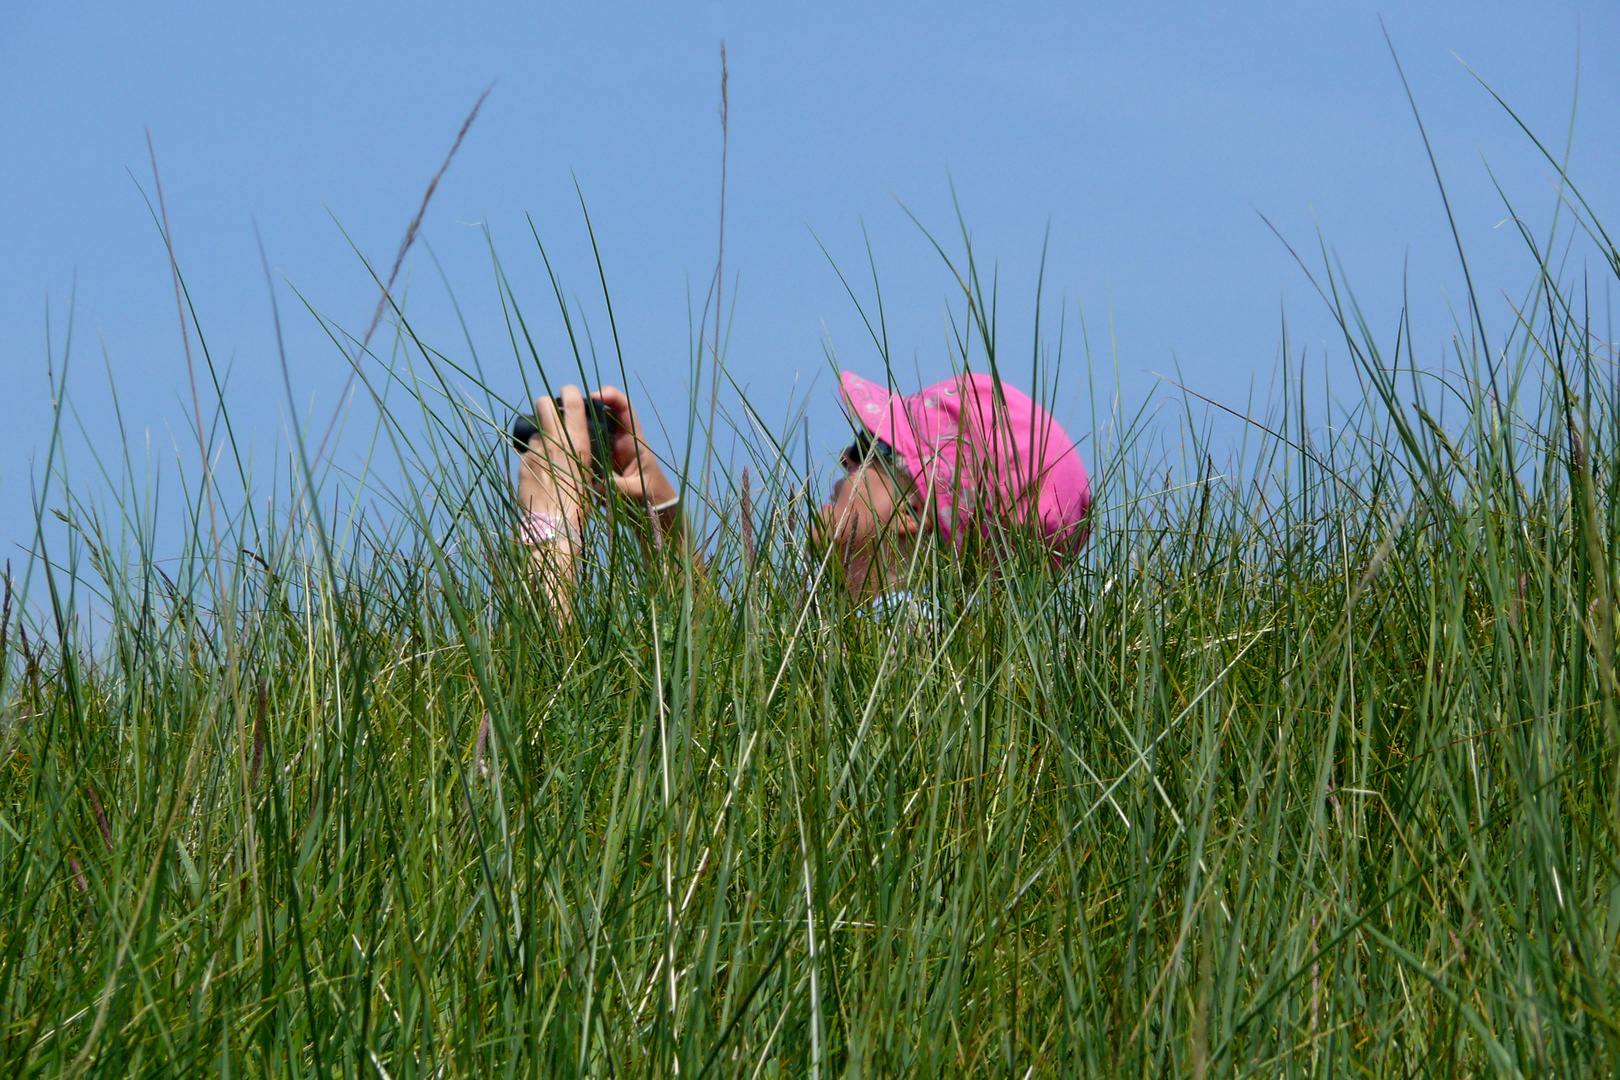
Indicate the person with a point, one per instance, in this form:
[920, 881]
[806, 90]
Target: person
[935, 467]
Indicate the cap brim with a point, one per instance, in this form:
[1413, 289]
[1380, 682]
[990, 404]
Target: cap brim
[868, 403]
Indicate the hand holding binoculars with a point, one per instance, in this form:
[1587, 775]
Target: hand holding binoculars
[600, 427]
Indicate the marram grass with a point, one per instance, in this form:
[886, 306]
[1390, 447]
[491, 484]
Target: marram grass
[1307, 766]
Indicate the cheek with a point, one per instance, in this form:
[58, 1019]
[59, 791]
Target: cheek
[863, 521]
[847, 515]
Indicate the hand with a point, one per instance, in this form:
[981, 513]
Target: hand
[636, 472]
[551, 474]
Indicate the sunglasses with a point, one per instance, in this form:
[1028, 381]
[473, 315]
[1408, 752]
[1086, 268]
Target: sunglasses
[864, 448]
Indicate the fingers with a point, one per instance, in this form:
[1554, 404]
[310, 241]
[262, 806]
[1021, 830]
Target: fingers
[574, 422]
[545, 412]
[630, 487]
[618, 404]
[630, 450]
[549, 478]
[567, 430]
[563, 441]
[646, 486]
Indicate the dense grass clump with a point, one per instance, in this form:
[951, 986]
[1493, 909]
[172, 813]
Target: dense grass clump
[1309, 762]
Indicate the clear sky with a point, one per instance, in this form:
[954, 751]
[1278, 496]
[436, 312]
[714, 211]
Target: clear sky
[1145, 136]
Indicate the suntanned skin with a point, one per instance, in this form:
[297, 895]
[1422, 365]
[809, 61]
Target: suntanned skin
[873, 524]
[554, 479]
[550, 483]
[874, 527]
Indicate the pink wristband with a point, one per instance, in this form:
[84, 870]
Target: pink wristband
[540, 529]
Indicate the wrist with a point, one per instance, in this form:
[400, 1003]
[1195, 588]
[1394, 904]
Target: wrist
[658, 493]
[549, 511]
[559, 503]
[668, 516]
[543, 530]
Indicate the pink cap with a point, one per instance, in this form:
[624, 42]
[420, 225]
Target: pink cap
[972, 443]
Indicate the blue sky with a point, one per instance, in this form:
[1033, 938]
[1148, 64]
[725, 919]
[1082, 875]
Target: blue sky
[1148, 138]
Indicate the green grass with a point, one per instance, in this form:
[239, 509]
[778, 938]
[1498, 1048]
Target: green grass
[1308, 764]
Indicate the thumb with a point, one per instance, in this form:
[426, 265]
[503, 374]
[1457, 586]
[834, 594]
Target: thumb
[630, 487]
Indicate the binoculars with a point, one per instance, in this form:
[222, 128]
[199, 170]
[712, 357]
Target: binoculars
[600, 427]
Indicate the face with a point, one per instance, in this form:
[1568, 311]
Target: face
[866, 509]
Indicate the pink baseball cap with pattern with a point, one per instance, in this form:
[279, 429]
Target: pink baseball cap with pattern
[975, 444]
